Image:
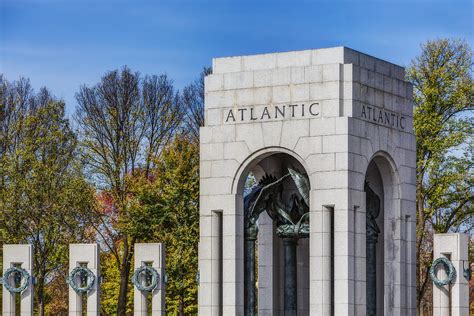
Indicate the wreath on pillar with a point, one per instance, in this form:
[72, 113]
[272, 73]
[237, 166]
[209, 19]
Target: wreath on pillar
[20, 275]
[151, 278]
[448, 266]
[85, 275]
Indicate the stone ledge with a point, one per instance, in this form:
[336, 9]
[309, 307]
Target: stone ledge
[341, 55]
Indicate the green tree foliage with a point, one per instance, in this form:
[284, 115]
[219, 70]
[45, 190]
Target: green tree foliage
[57, 291]
[110, 286]
[42, 189]
[124, 122]
[443, 123]
[170, 195]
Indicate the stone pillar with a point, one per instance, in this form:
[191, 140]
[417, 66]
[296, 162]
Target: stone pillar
[410, 256]
[267, 267]
[452, 300]
[250, 297]
[216, 227]
[18, 255]
[85, 255]
[153, 254]
[360, 258]
[320, 261]
[303, 276]
[290, 277]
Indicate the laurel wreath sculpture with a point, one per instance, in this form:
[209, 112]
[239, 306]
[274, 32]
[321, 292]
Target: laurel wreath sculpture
[299, 229]
[449, 268]
[148, 272]
[82, 272]
[24, 279]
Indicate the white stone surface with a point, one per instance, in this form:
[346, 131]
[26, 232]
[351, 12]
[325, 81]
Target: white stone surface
[454, 299]
[152, 254]
[335, 148]
[85, 254]
[14, 255]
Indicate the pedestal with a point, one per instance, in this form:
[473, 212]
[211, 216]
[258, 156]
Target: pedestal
[453, 299]
[22, 256]
[85, 255]
[152, 254]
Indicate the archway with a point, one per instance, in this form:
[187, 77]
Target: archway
[275, 190]
[381, 188]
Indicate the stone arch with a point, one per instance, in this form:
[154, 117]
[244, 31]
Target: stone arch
[390, 177]
[247, 163]
[270, 248]
[383, 179]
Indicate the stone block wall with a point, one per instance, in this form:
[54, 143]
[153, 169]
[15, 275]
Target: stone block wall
[335, 140]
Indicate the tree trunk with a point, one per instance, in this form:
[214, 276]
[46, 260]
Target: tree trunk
[40, 291]
[421, 224]
[124, 275]
[181, 305]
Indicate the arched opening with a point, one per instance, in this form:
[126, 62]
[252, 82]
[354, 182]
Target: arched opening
[274, 188]
[374, 239]
[381, 189]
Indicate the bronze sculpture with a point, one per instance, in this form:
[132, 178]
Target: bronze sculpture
[292, 222]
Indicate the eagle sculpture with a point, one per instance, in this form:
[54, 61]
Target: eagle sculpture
[292, 218]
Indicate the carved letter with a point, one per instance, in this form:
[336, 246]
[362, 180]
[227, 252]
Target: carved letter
[229, 115]
[387, 118]
[363, 112]
[252, 118]
[265, 112]
[380, 117]
[311, 109]
[402, 124]
[242, 113]
[292, 106]
[277, 110]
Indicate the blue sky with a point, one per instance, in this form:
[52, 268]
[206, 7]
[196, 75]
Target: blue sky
[63, 44]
